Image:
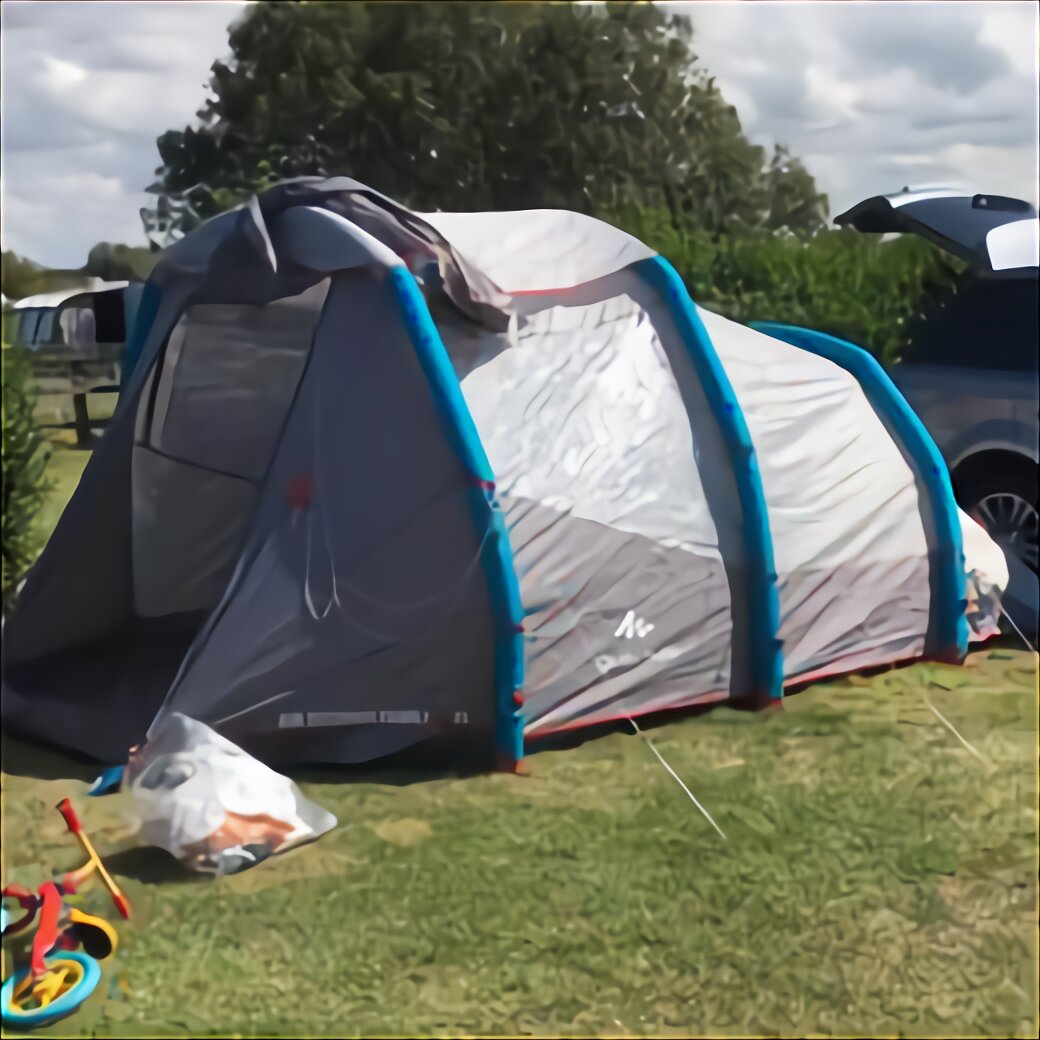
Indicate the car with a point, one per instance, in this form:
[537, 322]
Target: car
[969, 370]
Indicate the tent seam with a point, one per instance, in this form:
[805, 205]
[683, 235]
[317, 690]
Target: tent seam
[496, 552]
[947, 636]
[763, 600]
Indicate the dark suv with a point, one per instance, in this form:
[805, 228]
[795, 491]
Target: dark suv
[970, 369]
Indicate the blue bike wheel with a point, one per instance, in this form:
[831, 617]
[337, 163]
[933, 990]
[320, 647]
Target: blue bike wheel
[66, 1003]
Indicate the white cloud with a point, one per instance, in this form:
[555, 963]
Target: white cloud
[1003, 29]
[870, 96]
[62, 76]
[87, 88]
[65, 213]
[830, 100]
[874, 96]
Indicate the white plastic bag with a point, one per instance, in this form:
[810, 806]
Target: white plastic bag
[988, 578]
[215, 808]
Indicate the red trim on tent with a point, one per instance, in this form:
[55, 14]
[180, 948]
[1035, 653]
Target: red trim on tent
[710, 698]
[704, 698]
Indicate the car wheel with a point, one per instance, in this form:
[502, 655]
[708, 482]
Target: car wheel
[1004, 502]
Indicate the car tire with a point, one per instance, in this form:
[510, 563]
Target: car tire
[1003, 499]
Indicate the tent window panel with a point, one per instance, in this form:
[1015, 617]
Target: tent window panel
[47, 331]
[13, 324]
[373, 596]
[78, 326]
[26, 328]
[228, 379]
[188, 527]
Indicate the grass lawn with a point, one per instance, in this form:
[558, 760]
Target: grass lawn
[64, 471]
[876, 879]
[54, 408]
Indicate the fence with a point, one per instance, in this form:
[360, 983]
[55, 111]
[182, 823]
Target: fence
[68, 380]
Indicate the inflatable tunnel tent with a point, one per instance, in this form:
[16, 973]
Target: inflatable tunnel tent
[380, 475]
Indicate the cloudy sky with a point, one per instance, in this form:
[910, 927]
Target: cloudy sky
[871, 96]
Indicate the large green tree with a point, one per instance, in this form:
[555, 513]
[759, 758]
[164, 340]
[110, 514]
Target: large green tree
[116, 262]
[599, 108]
[22, 277]
[483, 106]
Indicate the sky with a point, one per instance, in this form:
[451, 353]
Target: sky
[871, 96]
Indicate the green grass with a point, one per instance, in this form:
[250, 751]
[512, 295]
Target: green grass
[57, 407]
[67, 461]
[64, 471]
[876, 879]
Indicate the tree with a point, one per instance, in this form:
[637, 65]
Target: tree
[602, 109]
[115, 263]
[22, 277]
[25, 456]
[483, 106]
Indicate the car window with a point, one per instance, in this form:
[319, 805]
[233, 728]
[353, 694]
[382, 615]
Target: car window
[989, 323]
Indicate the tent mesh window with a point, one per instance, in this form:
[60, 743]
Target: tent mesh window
[207, 427]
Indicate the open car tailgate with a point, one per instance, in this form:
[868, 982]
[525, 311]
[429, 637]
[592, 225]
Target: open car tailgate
[990, 232]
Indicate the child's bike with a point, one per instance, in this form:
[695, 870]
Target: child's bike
[67, 946]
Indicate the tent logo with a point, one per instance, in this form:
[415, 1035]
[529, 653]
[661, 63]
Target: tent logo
[632, 626]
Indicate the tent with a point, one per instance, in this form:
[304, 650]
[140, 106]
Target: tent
[379, 476]
[79, 317]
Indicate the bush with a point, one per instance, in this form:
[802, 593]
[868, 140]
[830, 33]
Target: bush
[849, 284]
[25, 457]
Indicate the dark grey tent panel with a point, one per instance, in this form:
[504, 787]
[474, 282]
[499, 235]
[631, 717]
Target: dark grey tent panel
[360, 587]
[305, 466]
[208, 425]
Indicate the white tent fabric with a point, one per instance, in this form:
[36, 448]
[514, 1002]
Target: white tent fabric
[587, 432]
[539, 250]
[843, 507]
[59, 296]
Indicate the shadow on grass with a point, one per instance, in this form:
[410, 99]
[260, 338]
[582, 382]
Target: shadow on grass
[39, 761]
[1003, 643]
[438, 758]
[152, 866]
[435, 759]
[568, 740]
